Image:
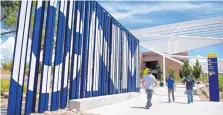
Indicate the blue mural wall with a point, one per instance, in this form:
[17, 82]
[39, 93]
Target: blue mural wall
[78, 50]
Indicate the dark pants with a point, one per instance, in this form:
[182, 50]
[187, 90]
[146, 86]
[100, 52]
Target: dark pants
[171, 91]
[149, 93]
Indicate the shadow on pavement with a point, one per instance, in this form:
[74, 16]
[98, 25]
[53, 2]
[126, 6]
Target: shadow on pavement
[164, 102]
[181, 102]
[166, 95]
[173, 102]
[139, 107]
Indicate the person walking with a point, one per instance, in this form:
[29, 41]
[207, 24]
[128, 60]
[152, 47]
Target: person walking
[171, 87]
[149, 82]
[189, 88]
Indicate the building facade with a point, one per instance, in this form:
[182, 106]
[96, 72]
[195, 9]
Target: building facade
[86, 53]
[151, 59]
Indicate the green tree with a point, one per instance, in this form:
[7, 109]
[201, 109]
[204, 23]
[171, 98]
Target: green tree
[159, 72]
[186, 68]
[7, 65]
[9, 13]
[145, 71]
[197, 70]
[171, 72]
[9, 16]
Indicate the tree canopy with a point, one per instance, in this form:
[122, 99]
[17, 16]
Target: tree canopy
[9, 16]
[159, 72]
[186, 68]
[9, 13]
[7, 65]
[197, 70]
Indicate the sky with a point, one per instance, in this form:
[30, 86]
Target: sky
[136, 15]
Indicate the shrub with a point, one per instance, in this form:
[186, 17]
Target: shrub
[5, 84]
[220, 77]
[177, 78]
[161, 78]
[145, 71]
[172, 74]
[203, 78]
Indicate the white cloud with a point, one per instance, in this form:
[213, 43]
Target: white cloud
[7, 49]
[126, 10]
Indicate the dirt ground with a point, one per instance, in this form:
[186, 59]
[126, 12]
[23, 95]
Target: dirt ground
[62, 112]
[203, 93]
[4, 101]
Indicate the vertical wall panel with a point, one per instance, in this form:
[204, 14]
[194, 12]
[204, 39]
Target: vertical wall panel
[112, 71]
[124, 63]
[75, 55]
[47, 58]
[34, 58]
[66, 56]
[91, 46]
[23, 58]
[109, 56]
[96, 56]
[104, 75]
[20, 50]
[58, 57]
[100, 50]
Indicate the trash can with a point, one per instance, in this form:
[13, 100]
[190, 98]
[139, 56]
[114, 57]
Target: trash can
[161, 84]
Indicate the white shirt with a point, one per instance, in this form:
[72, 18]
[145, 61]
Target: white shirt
[149, 81]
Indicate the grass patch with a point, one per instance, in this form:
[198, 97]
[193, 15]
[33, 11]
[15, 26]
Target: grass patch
[5, 84]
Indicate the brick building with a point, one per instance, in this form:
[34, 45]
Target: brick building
[150, 60]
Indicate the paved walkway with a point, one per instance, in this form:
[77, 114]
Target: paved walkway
[136, 106]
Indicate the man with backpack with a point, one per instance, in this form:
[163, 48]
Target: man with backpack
[189, 88]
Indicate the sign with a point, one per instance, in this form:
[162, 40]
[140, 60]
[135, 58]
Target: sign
[213, 77]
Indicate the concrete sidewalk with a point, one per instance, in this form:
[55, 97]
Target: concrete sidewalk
[161, 106]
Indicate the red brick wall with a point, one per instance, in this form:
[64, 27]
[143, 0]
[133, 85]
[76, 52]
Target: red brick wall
[151, 56]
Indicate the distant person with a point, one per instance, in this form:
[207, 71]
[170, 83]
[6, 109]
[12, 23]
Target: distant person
[171, 87]
[149, 82]
[189, 88]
